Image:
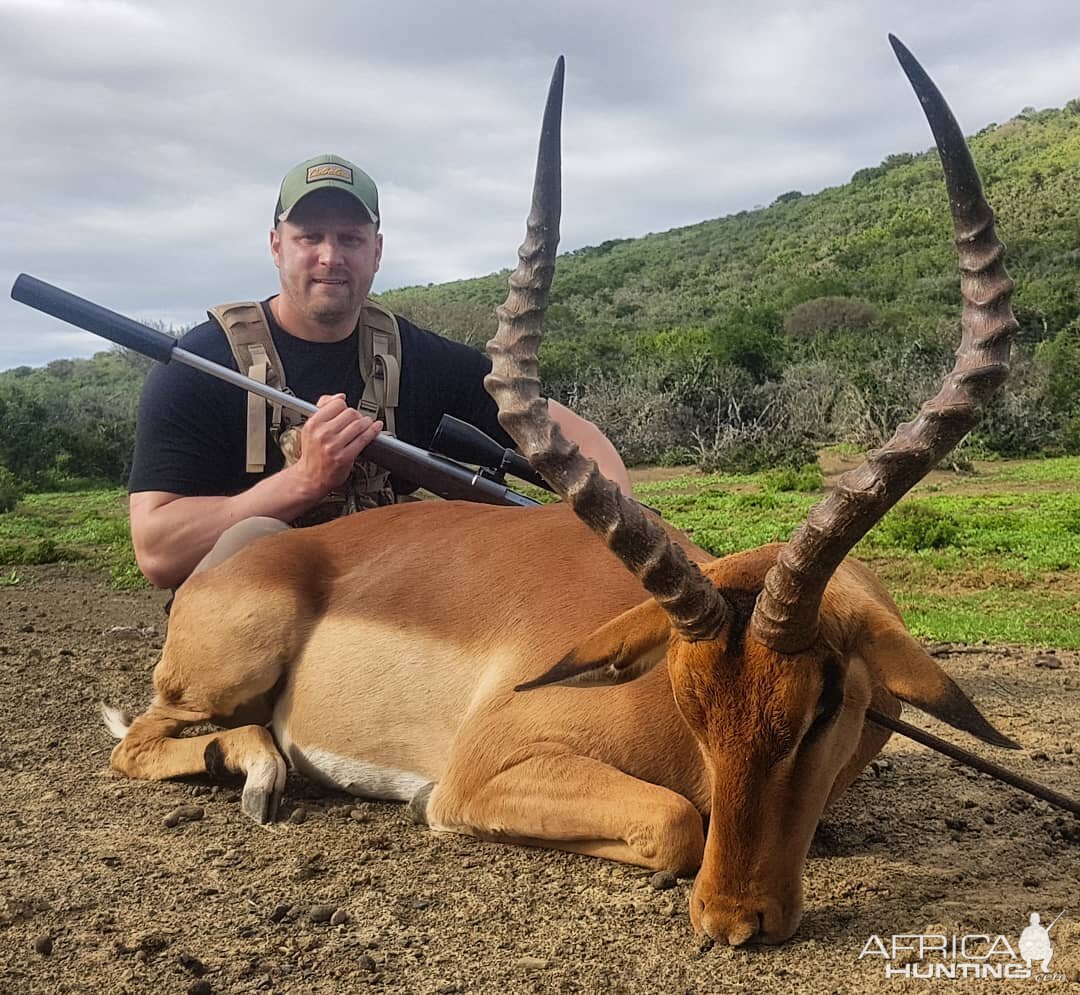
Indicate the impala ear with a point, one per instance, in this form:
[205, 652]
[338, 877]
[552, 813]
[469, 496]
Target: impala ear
[911, 674]
[622, 650]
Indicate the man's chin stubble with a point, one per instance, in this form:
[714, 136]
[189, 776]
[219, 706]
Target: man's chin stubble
[330, 318]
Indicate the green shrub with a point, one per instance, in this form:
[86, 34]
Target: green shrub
[751, 450]
[829, 314]
[804, 479]
[1069, 436]
[36, 551]
[11, 490]
[677, 456]
[914, 526]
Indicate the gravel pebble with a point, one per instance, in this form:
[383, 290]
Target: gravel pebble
[184, 813]
[192, 965]
[280, 912]
[321, 913]
[366, 963]
[663, 880]
[531, 963]
[153, 943]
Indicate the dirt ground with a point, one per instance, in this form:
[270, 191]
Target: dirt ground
[98, 894]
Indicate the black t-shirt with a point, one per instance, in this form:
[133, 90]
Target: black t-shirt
[191, 434]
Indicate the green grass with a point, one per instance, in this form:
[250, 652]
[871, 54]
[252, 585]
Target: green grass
[986, 557]
[1002, 615]
[1065, 469]
[80, 526]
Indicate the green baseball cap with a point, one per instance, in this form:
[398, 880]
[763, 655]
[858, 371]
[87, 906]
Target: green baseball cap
[326, 171]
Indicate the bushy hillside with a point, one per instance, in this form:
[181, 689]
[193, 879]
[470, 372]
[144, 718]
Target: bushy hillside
[883, 237]
[736, 343]
[68, 423]
[821, 318]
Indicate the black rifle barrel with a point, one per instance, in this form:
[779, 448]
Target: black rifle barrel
[435, 473]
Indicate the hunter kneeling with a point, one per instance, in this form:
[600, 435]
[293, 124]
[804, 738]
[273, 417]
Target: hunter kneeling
[214, 469]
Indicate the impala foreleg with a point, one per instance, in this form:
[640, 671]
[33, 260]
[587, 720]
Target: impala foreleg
[151, 750]
[224, 659]
[575, 803]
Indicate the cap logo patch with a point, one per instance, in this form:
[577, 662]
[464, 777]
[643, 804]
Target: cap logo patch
[329, 171]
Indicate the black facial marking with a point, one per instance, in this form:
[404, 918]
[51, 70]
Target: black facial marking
[832, 695]
[741, 602]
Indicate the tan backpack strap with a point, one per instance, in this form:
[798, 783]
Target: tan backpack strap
[252, 345]
[380, 363]
[256, 413]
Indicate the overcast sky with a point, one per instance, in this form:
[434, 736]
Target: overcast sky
[144, 141]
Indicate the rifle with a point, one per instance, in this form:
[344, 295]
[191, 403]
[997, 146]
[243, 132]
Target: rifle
[438, 474]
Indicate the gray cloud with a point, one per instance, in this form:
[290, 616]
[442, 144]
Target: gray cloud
[144, 142]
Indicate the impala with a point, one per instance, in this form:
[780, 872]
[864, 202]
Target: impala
[435, 652]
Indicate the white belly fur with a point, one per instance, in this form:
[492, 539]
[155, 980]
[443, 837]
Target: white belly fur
[357, 777]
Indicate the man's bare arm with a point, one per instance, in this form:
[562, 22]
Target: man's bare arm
[171, 533]
[593, 443]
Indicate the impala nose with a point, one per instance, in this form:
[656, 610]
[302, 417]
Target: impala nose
[742, 920]
[735, 931]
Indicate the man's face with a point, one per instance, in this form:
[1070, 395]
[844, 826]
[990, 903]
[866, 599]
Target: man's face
[327, 255]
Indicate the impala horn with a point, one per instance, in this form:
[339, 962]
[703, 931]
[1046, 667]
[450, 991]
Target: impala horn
[696, 608]
[786, 613]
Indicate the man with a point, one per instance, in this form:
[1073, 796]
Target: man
[192, 480]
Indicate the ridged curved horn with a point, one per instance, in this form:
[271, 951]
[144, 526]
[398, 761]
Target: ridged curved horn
[696, 608]
[786, 613]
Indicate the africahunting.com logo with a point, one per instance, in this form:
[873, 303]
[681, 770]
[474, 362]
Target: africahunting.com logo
[973, 955]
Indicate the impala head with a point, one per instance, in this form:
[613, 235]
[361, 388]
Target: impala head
[773, 654]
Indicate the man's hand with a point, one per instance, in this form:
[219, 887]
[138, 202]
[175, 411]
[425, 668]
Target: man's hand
[330, 441]
[172, 532]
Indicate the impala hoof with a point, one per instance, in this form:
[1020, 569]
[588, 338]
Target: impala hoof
[417, 807]
[263, 789]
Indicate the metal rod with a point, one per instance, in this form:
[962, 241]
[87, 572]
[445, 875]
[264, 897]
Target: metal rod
[1055, 798]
